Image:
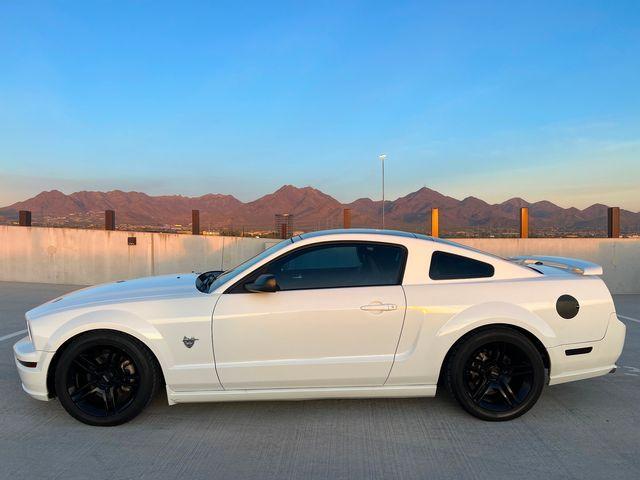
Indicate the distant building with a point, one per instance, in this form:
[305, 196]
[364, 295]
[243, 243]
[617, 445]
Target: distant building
[284, 225]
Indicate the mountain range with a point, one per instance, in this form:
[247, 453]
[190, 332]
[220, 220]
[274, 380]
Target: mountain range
[312, 209]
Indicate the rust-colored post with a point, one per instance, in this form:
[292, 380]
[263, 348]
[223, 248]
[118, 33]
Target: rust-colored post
[613, 222]
[435, 222]
[283, 230]
[109, 220]
[24, 218]
[195, 222]
[346, 218]
[524, 222]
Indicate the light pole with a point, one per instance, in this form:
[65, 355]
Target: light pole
[382, 158]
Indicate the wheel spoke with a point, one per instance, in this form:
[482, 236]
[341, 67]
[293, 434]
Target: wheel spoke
[507, 394]
[110, 400]
[85, 364]
[83, 392]
[479, 393]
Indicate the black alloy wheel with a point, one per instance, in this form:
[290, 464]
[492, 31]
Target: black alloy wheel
[496, 374]
[102, 381]
[105, 378]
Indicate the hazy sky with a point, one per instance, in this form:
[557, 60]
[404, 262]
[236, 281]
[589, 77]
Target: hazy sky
[491, 99]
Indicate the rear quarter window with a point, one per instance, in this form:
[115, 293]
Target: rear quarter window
[449, 266]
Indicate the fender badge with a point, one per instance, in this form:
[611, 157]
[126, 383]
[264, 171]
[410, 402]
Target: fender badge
[188, 342]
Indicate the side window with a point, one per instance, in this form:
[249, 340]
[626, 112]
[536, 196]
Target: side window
[336, 257]
[449, 266]
[337, 265]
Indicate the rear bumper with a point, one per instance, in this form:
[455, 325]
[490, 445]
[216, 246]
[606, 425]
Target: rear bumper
[599, 361]
[34, 379]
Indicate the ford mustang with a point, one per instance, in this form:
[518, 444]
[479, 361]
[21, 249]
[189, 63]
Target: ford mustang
[333, 314]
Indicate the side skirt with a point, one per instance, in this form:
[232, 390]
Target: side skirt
[392, 391]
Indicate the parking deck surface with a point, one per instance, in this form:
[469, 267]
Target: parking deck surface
[586, 429]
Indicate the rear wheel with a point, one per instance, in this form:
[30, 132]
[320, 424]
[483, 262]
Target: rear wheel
[105, 378]
[496, 374]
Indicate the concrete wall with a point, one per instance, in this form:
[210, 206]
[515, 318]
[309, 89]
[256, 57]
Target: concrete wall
[86, 257]
[82, 257]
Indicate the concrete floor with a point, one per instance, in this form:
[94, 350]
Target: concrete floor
[587, 429]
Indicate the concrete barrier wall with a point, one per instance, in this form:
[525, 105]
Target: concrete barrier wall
[84, 257]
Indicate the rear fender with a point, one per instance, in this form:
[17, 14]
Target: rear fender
[496, 313]
[421, 359]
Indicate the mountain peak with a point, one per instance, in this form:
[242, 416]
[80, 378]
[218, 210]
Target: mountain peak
[292, 188]
[51, 193]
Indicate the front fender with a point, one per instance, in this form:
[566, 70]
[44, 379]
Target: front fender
[112, 319]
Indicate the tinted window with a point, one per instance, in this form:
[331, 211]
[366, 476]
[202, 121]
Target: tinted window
[337, 265]
[327, 258]
[448, 266]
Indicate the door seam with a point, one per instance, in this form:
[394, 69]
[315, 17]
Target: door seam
[395, 353]
[213, 345]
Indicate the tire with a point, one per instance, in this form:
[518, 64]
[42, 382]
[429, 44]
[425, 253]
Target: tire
[104, 378]
[496, 374]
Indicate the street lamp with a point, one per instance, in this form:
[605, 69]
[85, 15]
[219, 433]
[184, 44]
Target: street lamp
[382, 158]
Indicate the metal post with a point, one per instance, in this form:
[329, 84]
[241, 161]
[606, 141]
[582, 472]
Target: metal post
[382, 159]
[24, 218]
[524, 222]
[383, 193]
[435, 222]
[613, 222]
[195, 222]
[109, 220]
[346, 218]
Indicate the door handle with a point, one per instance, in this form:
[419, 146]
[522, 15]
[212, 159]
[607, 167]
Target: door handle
[379, 307]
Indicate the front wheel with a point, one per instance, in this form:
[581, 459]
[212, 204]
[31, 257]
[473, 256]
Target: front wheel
[104, 378]
[496, 374]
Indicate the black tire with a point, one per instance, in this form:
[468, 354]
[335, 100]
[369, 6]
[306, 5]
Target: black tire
[104, 378]
[496, 374]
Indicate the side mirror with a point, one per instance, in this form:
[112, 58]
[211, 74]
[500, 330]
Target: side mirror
[264, 283]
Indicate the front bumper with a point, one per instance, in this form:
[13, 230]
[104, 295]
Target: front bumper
[34, 379]
[599, 361]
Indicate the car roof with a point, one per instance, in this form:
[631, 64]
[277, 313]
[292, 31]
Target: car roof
[360, 231]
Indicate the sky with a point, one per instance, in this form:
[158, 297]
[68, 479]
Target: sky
[495, 99]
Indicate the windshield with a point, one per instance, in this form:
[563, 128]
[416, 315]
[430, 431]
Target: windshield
[246, 265]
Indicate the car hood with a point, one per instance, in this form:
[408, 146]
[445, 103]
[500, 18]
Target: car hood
[163, 286]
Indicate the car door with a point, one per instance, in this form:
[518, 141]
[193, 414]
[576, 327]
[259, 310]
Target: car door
[335, 321]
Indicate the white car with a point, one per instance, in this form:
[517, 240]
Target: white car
[334, 314]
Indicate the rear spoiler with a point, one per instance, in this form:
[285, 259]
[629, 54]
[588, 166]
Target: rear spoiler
[574, 265]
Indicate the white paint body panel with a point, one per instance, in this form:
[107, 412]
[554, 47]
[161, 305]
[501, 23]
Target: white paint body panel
[320, 343]
[307, 338]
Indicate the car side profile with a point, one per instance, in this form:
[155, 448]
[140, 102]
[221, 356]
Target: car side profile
[332, 314]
